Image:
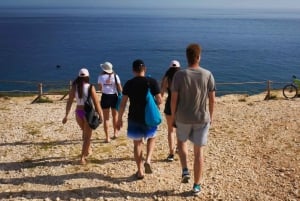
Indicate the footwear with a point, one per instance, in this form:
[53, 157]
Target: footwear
[138, 177]
[170, 158]
[148, 169]
[83, 161]
[196, 189]
[114, 137]
[185, 176]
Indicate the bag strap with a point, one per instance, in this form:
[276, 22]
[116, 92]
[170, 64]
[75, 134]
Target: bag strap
[116, 83]
[89, 92]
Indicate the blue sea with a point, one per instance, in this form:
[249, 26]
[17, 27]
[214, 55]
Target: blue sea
[51, 45]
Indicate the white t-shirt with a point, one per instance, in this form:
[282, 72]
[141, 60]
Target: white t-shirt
[108, 83]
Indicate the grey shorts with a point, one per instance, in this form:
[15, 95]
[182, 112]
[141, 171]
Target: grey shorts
[196, 133]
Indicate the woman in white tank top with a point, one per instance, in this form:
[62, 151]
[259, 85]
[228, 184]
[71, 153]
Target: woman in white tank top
[79, 91]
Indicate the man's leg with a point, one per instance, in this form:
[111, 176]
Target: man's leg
[198, 163]
[150, 149]
[183, 155]
[138, 155]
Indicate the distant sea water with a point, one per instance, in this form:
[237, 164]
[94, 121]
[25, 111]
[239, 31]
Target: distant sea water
[238, 45]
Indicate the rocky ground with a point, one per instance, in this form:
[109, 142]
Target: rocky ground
[253, 154]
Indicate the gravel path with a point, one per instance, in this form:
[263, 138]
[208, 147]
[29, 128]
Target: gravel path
[253, 154]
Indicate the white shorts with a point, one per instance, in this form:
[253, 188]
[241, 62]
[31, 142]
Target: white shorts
[196, 133]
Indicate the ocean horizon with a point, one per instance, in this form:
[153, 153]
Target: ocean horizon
[238, 45]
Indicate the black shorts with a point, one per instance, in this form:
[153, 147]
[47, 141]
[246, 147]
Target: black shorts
[167, 109]
[108, 101]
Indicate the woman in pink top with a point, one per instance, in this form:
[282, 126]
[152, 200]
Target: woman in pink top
[79, 90]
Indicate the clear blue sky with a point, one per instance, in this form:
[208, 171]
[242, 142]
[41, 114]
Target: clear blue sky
[247, 4]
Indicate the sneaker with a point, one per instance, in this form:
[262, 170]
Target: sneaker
[170, 158]
[185, 176]
[196, 189]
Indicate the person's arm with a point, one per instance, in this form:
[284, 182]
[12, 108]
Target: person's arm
[158, 99]
[96, 102]
[118, 84]
[211, 104]
[69, 104]
[121, 111]
[100, 86]
[164, 85]
[174, 102]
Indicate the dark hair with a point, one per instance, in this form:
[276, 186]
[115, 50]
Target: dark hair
[138, 65]
[193, 51]
[170, 74]
[78, 84]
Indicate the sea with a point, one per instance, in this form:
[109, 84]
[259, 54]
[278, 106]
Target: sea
[39, 45]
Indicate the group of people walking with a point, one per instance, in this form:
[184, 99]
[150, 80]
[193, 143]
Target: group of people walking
[186, 111]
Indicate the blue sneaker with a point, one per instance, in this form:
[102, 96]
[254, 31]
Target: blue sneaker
[185, 176]
[196, 189]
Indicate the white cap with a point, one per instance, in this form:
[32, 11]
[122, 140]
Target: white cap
[83, 73]
[107, 67]
[174, 63]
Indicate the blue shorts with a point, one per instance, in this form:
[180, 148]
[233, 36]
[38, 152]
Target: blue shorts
[138, 131]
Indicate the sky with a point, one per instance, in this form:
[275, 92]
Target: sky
[245, 4]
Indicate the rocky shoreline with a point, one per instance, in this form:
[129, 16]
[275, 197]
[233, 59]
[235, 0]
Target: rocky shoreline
[253, 154]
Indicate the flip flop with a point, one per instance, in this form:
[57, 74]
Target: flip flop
[139, 177]
[148, 169]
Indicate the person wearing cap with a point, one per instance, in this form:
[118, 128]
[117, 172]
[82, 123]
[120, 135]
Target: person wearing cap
[135, 90]
[110, 85]
[166, 86]
[79, 90]
[192, 88]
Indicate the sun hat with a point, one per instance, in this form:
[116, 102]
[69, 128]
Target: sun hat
[107, 67]
[174, 63]
[83, 73]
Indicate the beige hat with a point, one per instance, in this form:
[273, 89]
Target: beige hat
[107, 67]
[83, 73]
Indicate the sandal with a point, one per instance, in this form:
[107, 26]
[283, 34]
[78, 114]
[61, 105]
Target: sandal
[139, 177]
[148, 169]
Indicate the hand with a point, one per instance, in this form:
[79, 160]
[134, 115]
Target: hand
[119, 124]
[100, 120]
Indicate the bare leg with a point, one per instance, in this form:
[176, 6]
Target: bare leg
[106, 123]
[87, 134]
[183, 153]
[115, 119]
[138, 155]
[171, 135]
[150, 149]
[198, 163]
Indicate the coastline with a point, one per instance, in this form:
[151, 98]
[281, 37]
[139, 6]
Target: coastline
[252, 154]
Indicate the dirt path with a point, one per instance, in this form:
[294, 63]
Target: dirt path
[253, 154]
